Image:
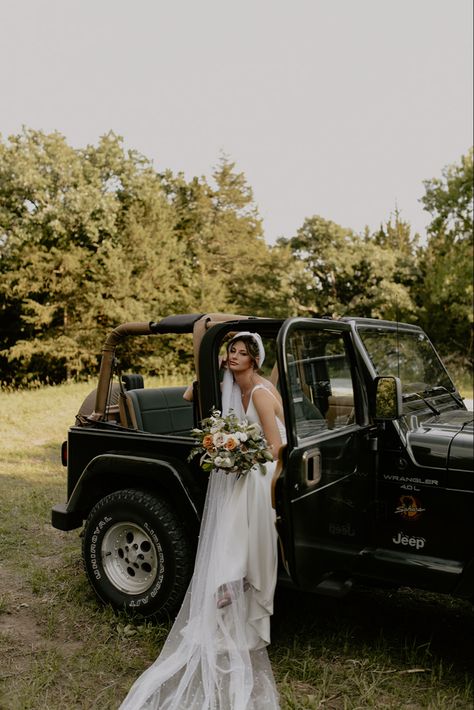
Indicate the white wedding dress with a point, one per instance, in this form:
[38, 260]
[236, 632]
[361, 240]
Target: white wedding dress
[216, 658]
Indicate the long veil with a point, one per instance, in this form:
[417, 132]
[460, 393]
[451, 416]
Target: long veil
[215, 656]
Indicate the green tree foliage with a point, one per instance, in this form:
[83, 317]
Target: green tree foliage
[93, 237]
[192, 203]
[395, 238]
[449, 200]
[266, 284]
[445, 295]
[87, 241]
[338, 272]
[221, 233]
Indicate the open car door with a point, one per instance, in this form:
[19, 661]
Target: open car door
[326, 492]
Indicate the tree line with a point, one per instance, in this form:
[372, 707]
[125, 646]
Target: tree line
[96, 236]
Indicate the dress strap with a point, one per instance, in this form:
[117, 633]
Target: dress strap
[262, 387]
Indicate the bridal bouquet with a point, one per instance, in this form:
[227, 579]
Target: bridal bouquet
[229, 444]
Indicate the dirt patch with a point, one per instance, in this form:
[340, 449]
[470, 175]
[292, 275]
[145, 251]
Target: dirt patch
[23, 626]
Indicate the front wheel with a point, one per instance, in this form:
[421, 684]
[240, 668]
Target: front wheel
[136, 553]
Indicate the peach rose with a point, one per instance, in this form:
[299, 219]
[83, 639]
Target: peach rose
[231, 443]
[207, 442]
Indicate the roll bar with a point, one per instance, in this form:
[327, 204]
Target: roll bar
[195, 323]
[108, 353]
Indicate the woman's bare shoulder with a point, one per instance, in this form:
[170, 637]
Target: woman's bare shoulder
[263, 385]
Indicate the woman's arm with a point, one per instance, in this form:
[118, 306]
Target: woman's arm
[265, 404]
[188, 394]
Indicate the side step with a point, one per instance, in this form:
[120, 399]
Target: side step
[334, 586]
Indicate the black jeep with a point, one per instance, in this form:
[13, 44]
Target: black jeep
[374, 485]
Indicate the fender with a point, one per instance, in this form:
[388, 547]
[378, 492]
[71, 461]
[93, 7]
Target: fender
[110, 472]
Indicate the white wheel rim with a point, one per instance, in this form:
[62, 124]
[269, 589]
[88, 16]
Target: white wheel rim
[129, 558]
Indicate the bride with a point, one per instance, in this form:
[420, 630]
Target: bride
[215, 656]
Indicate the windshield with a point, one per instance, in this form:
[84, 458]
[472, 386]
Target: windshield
[408, 355]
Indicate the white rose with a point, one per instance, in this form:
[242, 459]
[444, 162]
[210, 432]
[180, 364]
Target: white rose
[219, 439]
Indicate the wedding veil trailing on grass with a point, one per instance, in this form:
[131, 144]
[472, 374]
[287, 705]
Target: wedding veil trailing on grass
[215, 656]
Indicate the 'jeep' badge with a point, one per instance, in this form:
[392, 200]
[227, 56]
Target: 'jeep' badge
[408, 541]
[409, 508]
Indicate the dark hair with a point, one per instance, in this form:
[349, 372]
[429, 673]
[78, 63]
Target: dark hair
[251, 346]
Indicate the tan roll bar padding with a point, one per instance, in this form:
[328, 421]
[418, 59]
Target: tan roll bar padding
[126, 329]
[108, 353]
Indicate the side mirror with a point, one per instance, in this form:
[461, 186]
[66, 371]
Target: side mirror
[388, 398]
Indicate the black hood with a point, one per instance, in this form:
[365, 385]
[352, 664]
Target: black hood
[444, 441]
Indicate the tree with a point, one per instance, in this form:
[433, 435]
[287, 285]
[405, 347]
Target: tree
[93, 237]
[266, 287]
[449, 200]
[446, 292]
[51, 220]
[344, 273]
[87, 241]
[221, 234]
[396, 239]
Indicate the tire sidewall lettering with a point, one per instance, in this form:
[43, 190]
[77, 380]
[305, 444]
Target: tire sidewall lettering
[95, 560]
[94, 548]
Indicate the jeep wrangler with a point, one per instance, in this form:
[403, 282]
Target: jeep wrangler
[374, 485]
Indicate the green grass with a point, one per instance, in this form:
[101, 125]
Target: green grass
[61, 650]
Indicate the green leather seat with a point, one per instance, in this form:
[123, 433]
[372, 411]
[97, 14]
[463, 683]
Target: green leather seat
[161, 411]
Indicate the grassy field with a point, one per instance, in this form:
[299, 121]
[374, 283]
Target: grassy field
[61, 650]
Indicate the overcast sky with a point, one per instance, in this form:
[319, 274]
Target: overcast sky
[333, 107]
